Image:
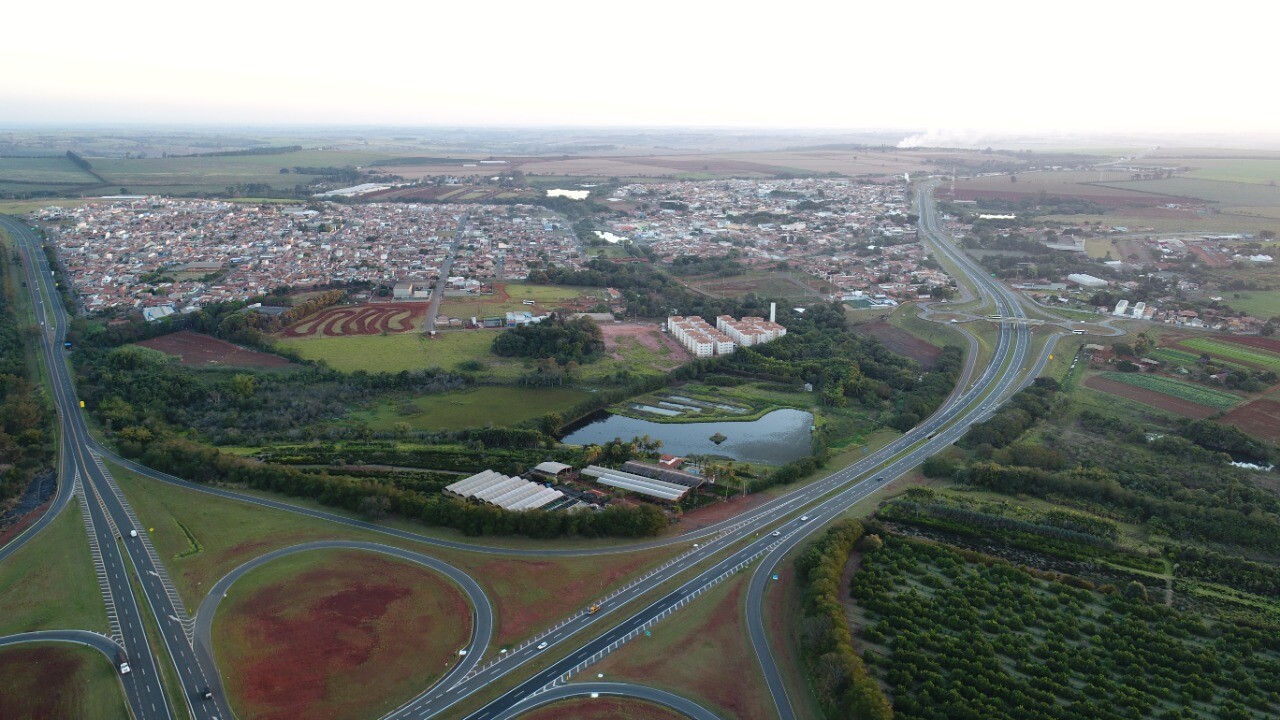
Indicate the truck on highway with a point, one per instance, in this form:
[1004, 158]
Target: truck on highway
[593, 609]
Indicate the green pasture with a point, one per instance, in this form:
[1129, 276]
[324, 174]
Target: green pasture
[478, 407]
[1231, 351]
[59, 170]
[1263, 304]
[393, 353]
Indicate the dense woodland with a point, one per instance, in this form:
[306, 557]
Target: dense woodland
[26, 420]
[578, 340]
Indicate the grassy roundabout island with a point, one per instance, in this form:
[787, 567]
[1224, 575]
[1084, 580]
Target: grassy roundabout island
[338, 633]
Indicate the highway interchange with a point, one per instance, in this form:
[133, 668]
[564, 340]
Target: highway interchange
[765, 534]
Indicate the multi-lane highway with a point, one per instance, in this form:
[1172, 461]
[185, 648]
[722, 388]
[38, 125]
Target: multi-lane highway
[110, 522]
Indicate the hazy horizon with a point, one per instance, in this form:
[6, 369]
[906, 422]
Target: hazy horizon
[944, 73]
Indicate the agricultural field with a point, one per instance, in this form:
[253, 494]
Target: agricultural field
[1083, 185]
[1233, 222]
[1226, 195]
[477, 407]
[51, 171]
[948, 635]
[213, 174]
[1209, 397]
[49, 584]
[371, 319]
[338, 633]
[709, 635]
[511, 297]
[57, 680]
[603, 708]
[1188, 359]
[451, 193]
[196, 350]
[1235, 351]
[1260, 418]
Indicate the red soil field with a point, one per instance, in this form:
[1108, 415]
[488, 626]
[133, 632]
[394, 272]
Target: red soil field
[40, 682]
[1185, 408]
[902, 342]
[602, 709]
[23, 523]
[1254, 341]
[336, 640]
[1260, 418]
[198, 350]
[371, 319]
[649, 338]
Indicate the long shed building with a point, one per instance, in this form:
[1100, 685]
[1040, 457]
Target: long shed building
[508, 493]
[669, 492]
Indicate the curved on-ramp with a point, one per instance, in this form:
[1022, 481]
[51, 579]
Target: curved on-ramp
[675, 702]
[97, 641]
[482, 610]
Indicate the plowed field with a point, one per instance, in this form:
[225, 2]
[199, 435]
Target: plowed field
[198, 350]
[1185, 408]
[361, 320]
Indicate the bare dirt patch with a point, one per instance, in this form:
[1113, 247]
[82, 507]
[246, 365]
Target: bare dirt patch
[648, 337]
[332, 641]
[371, 319]
[717, 512]
[196, 350]
[902, 342]
[1185, 408]
[603, 709]
[1260, 418]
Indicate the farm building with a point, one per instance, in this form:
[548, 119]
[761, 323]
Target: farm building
[665, 474]
[551, 469]
[508, 493]
[1087, 280]
[658, 489]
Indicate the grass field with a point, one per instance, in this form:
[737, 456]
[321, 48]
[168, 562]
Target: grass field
[1258, 303]
[1231, 351]
[1241, 170]
[393, 353]
[1178, 389]
[202, 538]
[337, 633]
[57, 680]
[49, 584]
[478, 407]
[546, 297]
[709, 635]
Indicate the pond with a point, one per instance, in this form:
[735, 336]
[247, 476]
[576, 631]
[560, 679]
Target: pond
[571, 194]
[778, 437]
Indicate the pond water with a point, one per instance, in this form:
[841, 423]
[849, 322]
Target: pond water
[609, 237]
[776, 438]
[571, 194]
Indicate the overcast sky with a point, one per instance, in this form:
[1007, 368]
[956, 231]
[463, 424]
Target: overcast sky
[955, 67]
